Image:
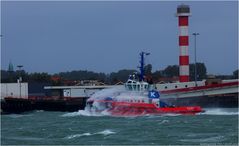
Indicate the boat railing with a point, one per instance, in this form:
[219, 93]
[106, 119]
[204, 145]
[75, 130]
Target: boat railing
[132, 85]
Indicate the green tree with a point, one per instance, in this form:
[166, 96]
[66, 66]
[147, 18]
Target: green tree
[82, 75]
[148, 69]
[12, 76]
[156, 75]
[171, 71]
[121, 75]
[4, 76]
[235, 74]
[201, 71]
[39, 77]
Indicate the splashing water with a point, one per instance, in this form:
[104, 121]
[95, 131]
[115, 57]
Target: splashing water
[86, 112]
[220, 111]
[117, 93]
[99, 108]
[110, 92]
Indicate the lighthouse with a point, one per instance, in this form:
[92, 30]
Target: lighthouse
[183, 12]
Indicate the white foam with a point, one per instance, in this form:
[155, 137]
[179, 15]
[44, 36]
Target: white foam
[164, 121]
[220, 111]
[206, 139]
[19, 115]
[85, 113]
[39, 111]
[104, 132]
[78, 135]
[27, 138]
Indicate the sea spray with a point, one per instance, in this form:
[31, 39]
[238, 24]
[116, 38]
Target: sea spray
[220, 111]
[109, 92]
[95, 106]
[97, 109]
[101, 108]
[117, 93]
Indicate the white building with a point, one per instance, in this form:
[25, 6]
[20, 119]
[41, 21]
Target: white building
[75, 91]
[16, 90]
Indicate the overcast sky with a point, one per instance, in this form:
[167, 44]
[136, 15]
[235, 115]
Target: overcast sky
[108, 36]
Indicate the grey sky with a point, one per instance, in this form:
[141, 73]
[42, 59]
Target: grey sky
[108, 36]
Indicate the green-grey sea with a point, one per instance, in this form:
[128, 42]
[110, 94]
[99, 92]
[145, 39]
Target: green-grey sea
[215, 126]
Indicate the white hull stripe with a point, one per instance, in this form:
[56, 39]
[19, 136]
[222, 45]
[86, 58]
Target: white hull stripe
[184, 70]
[183, 30]
[183, 50]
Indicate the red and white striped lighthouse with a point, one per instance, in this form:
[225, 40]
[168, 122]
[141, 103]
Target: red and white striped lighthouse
[183, 12]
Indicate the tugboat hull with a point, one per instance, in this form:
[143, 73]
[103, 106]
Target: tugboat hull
[140, 109]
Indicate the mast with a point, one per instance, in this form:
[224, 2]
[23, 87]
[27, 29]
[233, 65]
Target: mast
[142, 54]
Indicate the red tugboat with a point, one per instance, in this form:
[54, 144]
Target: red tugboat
[138, 98]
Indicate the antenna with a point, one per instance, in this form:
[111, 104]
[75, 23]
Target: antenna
[142, 63]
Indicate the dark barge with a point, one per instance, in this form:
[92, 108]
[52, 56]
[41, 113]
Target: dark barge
[20, 105]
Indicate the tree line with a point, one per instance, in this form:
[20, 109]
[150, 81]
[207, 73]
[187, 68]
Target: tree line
[120, 76]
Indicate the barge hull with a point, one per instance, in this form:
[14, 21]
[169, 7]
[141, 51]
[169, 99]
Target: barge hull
[18, 105]
[206, 101]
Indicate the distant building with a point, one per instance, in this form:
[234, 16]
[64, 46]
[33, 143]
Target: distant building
[10, 67]
[55, 78]
[75, 91]
[120, 83]
[16, 90]
[168, 80]
[90, 83]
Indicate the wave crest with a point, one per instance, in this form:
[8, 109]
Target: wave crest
[104, 132]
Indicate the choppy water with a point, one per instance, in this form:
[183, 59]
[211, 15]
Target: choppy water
[215, 126]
